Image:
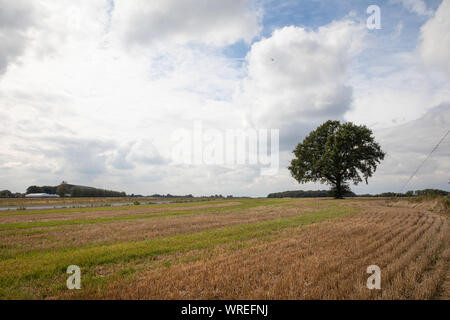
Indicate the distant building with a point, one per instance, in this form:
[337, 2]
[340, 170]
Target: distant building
[41, 195]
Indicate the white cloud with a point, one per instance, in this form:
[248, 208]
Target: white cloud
[394, 90]
[144, 152]
[213, 22]
[298, 77]
[16, 19]
[435, 38]
[398, 87]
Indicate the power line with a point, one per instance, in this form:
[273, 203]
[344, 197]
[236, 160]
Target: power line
[420, 166]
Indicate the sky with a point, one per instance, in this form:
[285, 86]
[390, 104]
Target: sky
[97, 92]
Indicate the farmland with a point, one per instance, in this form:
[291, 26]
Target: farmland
[69, 201]
[229, 249]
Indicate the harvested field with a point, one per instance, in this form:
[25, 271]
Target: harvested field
[236, 249]
[83, 200]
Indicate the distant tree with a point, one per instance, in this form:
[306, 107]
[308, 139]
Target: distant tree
[300, 194]
[431, 192]
[62, 189]
[6, 194]
[335, 154]
[77, 192]
[34, 189]
[48, 189]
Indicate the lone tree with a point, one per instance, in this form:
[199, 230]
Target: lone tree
[336, 153]
[62, 189]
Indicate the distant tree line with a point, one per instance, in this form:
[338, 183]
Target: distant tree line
[156, 195]
[94, 192]
[43, 189]
[65, 189]
[329, 193]
[411, 193]
[306, 194]
[187, 196]
[9, 194]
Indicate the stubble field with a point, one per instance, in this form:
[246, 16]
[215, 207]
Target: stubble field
[228, 249]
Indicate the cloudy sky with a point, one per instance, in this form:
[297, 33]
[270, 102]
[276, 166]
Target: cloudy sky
[91, 92]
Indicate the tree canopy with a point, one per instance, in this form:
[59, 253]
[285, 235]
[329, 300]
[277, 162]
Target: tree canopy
[337, 154]
[6, 194]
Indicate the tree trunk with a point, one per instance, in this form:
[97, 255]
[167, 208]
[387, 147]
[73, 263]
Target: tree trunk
[339, 192]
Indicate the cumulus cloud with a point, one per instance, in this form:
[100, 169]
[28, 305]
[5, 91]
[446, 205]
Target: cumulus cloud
[418, 7]
[397, 87]
[16, 18]
[119, 159]
[400, 91]
[77, 155]
[145, 152]
[43, 158]
[435, 39]
[130, 154]
[214, 22]
[298, 77]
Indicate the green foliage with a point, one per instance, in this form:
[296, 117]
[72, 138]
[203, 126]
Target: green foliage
[6, 194]
[75, 191]
[79, 191]
[62, 189]
[306, 194]
[34, 189]
[299, 194]
[416, 193]
[43, 189]
[431, 192]
[336, 154]
[49, 189]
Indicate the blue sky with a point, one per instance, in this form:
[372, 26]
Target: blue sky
[314, 14]
[93, 91]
